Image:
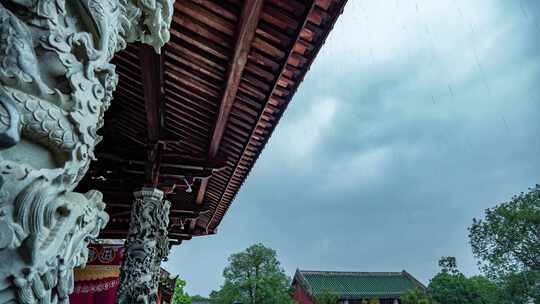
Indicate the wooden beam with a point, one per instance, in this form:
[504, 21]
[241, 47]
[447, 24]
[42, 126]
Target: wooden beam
[249, 20]
[152, 67]
[282, 68]
[168, 159]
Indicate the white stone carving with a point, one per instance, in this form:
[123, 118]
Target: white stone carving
[146, 246]
[55, 84]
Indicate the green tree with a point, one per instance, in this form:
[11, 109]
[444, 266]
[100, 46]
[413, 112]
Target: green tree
[521, 287]
[198, 298]
[254, 276]
[507, 245]
[416, 296]
[486, 289]
[507, 240]
[448, 264]
[450, 286]
[227, 294]
[326, 297]
[180, 296]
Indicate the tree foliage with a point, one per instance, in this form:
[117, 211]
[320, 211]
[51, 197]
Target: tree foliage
[198, 298]
[450, 286]
[487, 291]
[507, 240]
[507, 245]
[326, 297]
[448, 264]
[521, 287]
[417, 296]
[180, 296]
[254, 276]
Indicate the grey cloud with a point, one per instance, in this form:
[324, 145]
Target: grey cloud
[431, 125]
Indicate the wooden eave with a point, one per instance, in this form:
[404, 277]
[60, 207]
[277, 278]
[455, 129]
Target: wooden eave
[208, 103]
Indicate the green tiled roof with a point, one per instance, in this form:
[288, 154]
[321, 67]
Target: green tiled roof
[357, 284]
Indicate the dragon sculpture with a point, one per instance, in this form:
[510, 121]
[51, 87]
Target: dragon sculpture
[56, 82]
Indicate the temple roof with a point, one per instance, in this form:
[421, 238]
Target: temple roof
[194, 119]
[357, 285]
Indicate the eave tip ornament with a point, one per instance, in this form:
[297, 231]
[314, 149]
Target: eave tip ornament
[56, 82]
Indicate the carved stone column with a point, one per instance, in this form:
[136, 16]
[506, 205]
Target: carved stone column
[55, 84]
[146, 246]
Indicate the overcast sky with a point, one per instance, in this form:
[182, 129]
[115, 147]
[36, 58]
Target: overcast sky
[415, 117]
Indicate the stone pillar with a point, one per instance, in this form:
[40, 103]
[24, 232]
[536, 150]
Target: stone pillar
[146, 246]
[55, 84]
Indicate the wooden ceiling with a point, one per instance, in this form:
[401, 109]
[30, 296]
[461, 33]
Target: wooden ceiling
[194, 119]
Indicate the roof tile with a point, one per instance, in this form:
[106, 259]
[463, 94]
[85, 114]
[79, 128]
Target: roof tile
[357, 284]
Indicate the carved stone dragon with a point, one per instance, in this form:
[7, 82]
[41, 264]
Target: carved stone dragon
[56, 82]
[146, 246]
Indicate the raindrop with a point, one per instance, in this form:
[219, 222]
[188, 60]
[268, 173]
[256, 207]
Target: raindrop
[505, 123]
[523, 10]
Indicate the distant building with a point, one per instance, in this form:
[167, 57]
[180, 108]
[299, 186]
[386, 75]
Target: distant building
[353, 287]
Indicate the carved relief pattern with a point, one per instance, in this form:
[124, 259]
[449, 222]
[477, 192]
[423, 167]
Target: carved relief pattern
[56, 82]
[146, 246]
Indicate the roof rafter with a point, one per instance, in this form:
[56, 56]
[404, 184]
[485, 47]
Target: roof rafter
[282, 68]
[245, 34]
